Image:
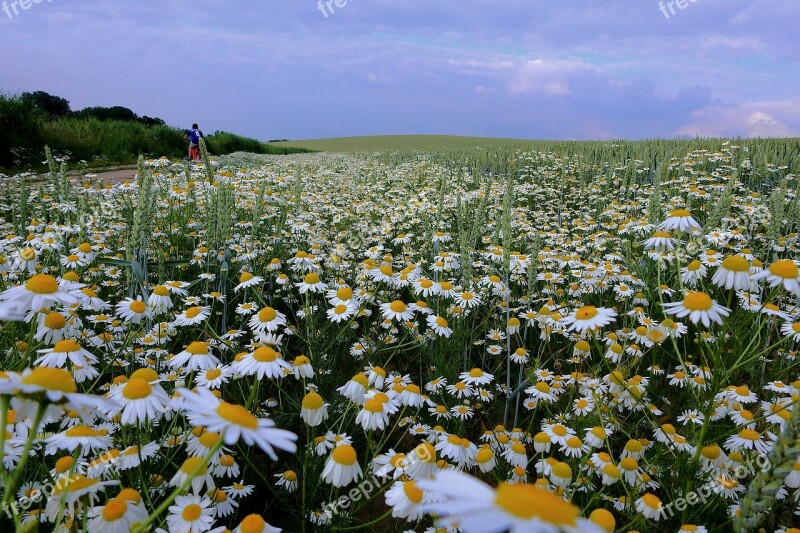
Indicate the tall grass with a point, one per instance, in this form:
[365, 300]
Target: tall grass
[26, 131]
[223, 142]
[115, 141]
[21, 129]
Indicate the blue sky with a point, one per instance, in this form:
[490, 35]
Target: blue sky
[515, 68]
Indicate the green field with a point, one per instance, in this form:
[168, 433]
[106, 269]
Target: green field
[374, 143]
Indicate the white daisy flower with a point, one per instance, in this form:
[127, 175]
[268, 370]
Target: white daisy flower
[733, 273]
[235, 422]
[783, 272]
[518, 508]
[589, 318]
[396, 310]
[38, 292]
[262, 362]
[680, 219]
[190, 514]
[341, 467]
[699, 307]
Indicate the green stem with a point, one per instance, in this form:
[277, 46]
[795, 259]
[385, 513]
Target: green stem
[11, 488]
[384, 516]
[178, 491]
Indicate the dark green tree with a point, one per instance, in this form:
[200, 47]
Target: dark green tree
[52, 106]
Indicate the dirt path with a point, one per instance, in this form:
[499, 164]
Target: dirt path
[114, 177]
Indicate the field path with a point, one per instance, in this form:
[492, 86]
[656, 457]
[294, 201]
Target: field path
[115, 177]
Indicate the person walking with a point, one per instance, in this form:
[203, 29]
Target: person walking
[193, 136]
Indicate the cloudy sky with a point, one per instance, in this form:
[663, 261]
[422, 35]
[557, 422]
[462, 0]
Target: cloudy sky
[508, 68]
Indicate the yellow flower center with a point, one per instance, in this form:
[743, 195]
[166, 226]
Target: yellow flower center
[137, 388]
[191, 512]
[42, 284]
[28, 254]
[736, 263]
[192, 312]
[749, 434]
[412, 491]
[598, 431]
[129, 495]
[518, 447]
[397, 306]
[193, 463]
[147, 374]
[114, 510]
[344, 454]
[236, 414]
[74, 483]
[344, 293]
[604, 519]
[485, 454]
[55, 379]
[426, 452]
[265, 354]
[611, 470]
[373, 405]
[311, 278]
[313, 401]
[562, 470]
[83, 431]
[680, 213]
[340, 309]
[252, 524]
[209, 439]
[198, 348]
[527, 502]
[586, 312]
[267, 314]
[138, 306]
[64, 464]
[698, 301]
[161, 291]
[652, 501]
[66, 346]
[784, 268]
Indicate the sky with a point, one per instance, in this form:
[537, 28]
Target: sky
[301, 69]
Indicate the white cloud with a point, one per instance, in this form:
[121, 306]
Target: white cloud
[548, 76]
[522, 76]
[779, 118]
